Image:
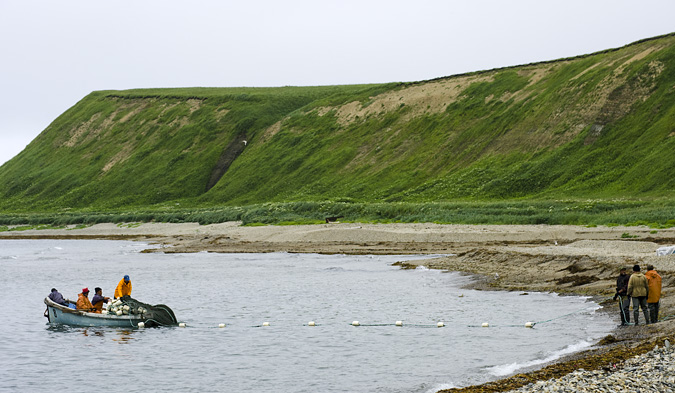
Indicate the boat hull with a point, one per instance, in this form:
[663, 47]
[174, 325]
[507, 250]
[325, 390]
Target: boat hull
[58, 314]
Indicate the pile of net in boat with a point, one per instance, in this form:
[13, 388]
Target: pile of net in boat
[157, 315]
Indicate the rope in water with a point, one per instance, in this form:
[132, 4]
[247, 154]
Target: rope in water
[442, 324]
[563, 316]
[664, 318]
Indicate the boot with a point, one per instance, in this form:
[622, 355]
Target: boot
[626, 315]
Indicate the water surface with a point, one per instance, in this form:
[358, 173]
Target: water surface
[288, 291]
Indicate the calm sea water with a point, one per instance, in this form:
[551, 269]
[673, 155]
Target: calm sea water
[288, 291]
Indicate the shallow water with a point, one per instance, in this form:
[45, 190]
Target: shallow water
[288, 291]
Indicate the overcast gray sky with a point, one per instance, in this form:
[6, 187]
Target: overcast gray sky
[53, 53]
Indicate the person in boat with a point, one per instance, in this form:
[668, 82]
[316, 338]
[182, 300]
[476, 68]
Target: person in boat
[57, 298]
[98, 299]
[83, 302]
[123, 288]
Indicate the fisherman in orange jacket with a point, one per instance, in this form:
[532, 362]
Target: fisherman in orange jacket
[123, 288]
[654, 298]
[83, 302]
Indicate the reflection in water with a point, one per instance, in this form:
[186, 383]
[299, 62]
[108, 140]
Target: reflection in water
[86, 332]
[121, 336]
[58, 328]
[124, 336]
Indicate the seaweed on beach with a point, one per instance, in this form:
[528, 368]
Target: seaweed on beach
[577, 280]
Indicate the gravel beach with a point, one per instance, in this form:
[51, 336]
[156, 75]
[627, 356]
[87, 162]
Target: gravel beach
[563, 259]
[651, 372]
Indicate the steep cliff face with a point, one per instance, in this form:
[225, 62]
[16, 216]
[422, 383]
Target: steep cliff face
[595, 125]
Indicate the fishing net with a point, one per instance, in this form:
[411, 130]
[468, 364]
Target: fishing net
[157, 315]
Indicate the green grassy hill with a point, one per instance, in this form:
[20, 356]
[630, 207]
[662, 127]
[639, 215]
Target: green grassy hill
[598, 126]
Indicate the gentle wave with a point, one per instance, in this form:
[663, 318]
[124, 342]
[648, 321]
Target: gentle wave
[334, 269]
[507, 369]
[442, 386]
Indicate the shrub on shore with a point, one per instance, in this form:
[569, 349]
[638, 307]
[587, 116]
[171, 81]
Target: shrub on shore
[653, 213]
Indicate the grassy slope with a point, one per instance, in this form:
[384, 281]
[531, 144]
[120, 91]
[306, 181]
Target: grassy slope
[548, 138]
[143, 147]
[597, 126]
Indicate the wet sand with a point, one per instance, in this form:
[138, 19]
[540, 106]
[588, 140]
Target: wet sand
[563, 259]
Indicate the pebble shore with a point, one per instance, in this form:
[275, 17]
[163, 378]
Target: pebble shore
[653, 371]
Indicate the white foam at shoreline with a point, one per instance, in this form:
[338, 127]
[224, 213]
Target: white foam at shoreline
[507, 369]
[442, 386]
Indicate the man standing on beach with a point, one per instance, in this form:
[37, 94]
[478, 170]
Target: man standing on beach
[638, 289]
[622, 294]
[654, 298]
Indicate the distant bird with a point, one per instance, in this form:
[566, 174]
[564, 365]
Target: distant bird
[496, 276]
[556, 242]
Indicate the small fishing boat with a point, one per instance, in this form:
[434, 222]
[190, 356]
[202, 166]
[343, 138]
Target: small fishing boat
[159, 315]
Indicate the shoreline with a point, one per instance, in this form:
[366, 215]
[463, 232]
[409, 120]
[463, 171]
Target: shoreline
[360, 238]
[571, 260]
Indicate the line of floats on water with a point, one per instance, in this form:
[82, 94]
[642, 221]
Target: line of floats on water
[357, 323]
[141, 317]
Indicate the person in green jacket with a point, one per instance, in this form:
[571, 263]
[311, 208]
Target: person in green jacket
[638, 289]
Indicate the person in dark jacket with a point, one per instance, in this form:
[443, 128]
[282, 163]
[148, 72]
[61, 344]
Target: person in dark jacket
[621, 293]
[98, 299]
[57, 298]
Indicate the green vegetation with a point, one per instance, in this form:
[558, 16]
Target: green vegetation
[79, 226]
[129, 225]
[29, 227]
[653, 213]
[585, 140]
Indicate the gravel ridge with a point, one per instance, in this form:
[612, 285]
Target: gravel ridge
[653, 371]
